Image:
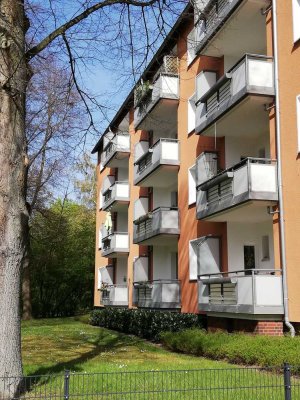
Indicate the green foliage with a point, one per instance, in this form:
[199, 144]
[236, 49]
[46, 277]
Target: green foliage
[147, 324]
[62, 260]
[236, 348]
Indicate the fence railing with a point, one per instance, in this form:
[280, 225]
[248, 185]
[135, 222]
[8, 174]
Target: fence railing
[205, 384]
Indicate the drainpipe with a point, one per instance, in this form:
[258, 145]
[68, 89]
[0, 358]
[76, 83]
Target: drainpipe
[280, 196]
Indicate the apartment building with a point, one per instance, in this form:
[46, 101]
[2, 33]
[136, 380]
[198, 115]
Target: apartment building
[198, 173]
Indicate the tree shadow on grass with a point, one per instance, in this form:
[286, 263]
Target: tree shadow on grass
[47, 375]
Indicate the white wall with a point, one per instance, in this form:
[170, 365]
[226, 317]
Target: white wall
[162, 262]
[244, 147]
[121, 271]
[122, 174]
[161, 197]
[240, 234]
[122, 222]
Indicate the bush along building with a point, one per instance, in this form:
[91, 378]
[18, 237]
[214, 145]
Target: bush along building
[198, 173]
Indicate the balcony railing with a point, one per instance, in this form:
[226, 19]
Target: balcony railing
[163, 152]
[161, 221]
[253, 291]
[118, 144]
[251, 179]
[163, 293]
[117, 193]
[115, 243]
[115, 295]
[165, 85]
[252, 75]
[212, 18]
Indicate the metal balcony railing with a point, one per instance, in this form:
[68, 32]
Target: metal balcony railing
[211, 19]
[115, 295]
[254, 291]
[118, 192]
[117, 143]
[253, 74]
[114, 242]
[162, 220]
[251, 179]
[163, 152]
[161, 293]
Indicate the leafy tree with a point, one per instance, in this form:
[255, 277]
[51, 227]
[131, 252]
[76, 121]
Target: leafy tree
[62, 259]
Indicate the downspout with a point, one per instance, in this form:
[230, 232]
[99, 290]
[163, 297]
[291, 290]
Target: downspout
[280, 195]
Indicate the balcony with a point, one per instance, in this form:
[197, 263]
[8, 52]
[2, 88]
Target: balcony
[115, 244]
[253, 291]
[158, 164]
[218, 21]
[115, 295]
[157, 294]
[250, 83]
[116, 149]
[240, 193]
[116, 197]
[158, 227]
[158, 97]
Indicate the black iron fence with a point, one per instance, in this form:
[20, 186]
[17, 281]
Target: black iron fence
[205, 384]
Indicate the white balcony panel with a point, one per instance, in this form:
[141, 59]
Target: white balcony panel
[263, 178]
[141, 269]
[252, 76]
[107, 275]
[160, 294]
[115, 295]
[169, 151]
[122, 241]
[255, 292]
[141, 207]
[108, 181]
[140, 149]
[122, 190]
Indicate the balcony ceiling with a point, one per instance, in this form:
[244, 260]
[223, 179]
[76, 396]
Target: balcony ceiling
[164, 176]
[244, 32]
[247, 119]
[119, 160]
[162, 118]
[249, 212]
[162, 240]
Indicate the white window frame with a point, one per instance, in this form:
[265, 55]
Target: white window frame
[298, 120]
[296, 19]
[192, 185]
[191, 114]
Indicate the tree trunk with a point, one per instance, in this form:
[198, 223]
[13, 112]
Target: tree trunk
[13, 212]
[26, 287]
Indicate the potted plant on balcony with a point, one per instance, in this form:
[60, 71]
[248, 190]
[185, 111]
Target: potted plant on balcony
[141, 92]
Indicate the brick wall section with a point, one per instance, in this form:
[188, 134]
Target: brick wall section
[269, 328]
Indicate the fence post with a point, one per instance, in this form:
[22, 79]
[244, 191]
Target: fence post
[287, 381]
[66, 384]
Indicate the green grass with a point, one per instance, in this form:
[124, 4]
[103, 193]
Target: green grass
[51, 346]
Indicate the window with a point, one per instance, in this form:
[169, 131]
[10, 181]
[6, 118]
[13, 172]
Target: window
[192, 184]
[296, 19]
[100, 239]
[191, 114]
[191, 47]
[265, 248]
[298, 120]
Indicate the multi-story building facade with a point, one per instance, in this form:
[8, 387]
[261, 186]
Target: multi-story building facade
[198, 173]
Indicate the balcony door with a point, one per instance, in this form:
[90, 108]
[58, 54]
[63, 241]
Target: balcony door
[249, 257]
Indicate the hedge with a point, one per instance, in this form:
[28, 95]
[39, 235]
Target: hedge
[238, 348]
[148, 324]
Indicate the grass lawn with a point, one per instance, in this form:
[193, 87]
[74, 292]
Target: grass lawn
[51, 346]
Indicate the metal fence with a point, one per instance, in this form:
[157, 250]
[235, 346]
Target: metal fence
[204, 384]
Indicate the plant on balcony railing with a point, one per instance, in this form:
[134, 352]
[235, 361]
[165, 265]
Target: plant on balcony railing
[141, 92]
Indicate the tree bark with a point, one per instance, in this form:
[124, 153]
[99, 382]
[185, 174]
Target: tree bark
[13, 212]
[26, 286]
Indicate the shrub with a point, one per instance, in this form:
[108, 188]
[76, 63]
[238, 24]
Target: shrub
[236, 348]
[148, 324]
